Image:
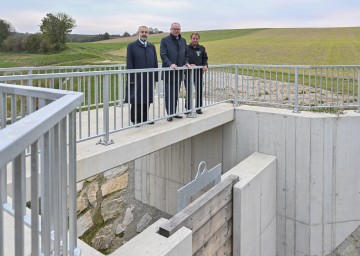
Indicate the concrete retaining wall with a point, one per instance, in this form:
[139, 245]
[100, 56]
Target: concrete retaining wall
[254, 218]
[159, 175]
[318, 181]
[317, 171]
[254, 206]
[150, 243]
[317, 176]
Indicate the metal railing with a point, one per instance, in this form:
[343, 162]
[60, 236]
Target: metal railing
[104, 110]
[300, 87]
[41, 124]
[45, 125]
[58, 69]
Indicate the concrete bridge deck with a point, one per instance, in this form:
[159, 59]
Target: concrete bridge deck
[93, 158]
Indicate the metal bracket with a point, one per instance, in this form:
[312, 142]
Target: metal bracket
[105, 143]
[203, 178]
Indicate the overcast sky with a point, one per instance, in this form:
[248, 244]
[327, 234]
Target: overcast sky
[118, 16]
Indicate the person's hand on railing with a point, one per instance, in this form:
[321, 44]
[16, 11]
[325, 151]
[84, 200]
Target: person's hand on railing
[173, 66]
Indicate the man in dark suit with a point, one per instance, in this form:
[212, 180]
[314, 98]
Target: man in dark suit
[173, 54]
[141, 54]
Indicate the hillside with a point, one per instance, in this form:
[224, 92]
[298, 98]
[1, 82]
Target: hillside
[305, 46]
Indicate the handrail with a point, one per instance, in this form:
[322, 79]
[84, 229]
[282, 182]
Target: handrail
[292, 86]
[47, 135]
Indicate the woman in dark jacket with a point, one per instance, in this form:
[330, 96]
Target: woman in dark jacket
[139, 90]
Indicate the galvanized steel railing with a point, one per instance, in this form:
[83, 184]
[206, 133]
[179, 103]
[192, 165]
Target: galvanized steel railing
[300, 87]
[58, 69]
[39, 123]
[104, 110]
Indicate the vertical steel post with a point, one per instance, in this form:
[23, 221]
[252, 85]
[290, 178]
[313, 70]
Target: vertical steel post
[35, 250]
[358, 110]
[72, 184]
[236, 86]
[296, 106]
[120, 89]
[2, 201]
[19, 203]
[106, 141]
[190, 85]
[3, 111]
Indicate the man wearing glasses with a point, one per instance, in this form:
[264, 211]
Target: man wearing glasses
[173, 52]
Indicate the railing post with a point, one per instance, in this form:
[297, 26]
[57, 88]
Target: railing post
[73, 250]
[358, 98]
[3, 110]
[2, 201]
[19, 203]
[190, 85]
[121, 89]
[106, 141]
[296, 92]
[236, 86]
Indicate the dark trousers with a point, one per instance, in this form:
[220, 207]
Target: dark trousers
[198, 86]
[138, 113]
[171, 88]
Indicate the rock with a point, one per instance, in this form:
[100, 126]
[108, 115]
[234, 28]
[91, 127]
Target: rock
[103, 239]
[81, 203]
[117, 171]
[119, 229]
[91, 179]
[129, 217]
[91, 193]
[84, 223]
[115, 184]
[143, 223]
[79, 186]
[111, 207]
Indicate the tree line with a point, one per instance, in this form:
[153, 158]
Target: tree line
[51, 38]
[55, 29]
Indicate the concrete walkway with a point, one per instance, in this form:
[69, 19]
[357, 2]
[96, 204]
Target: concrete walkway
[93, 158]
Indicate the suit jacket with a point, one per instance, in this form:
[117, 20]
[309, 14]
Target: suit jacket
[173, 51]
[141, 84]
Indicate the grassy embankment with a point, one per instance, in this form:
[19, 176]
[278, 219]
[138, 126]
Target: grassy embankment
[298, 46]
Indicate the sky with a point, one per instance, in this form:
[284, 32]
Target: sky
[119, 16]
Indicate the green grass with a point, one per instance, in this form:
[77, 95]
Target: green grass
[295, 46]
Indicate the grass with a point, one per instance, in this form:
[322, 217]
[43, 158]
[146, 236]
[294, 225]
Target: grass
[283, 46]
[297, 46]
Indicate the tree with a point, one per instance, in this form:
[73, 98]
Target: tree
[106, 36]
[6, 29]
[126, 34]
[55, 28]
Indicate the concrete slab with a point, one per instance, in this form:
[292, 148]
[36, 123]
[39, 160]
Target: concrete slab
[134, 143]
[150, 243]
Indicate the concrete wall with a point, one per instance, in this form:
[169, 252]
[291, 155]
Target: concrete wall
[253, 217]
[317, 175]
[159, 175]
[318, 181]
[254, 206]
[150, 243]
